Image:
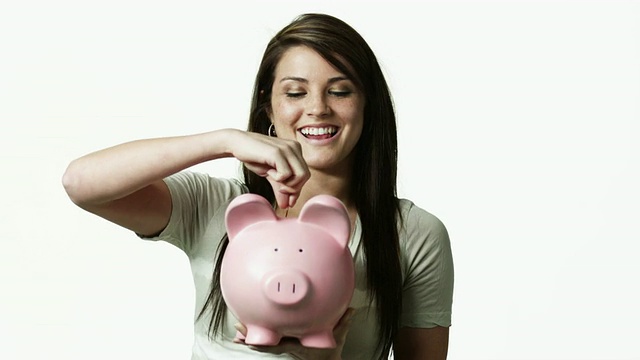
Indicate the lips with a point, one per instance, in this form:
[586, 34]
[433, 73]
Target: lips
[319, 132]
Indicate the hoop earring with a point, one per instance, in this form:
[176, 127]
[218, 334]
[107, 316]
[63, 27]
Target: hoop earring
[272, 131]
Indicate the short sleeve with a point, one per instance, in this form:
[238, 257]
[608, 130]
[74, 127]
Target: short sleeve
[427, 269]
[196, 198]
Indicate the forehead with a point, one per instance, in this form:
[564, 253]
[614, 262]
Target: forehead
[304, 62]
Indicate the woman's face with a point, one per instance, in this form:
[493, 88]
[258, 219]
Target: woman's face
[318, 106]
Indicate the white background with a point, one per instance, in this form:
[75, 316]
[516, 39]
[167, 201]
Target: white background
[519, 127]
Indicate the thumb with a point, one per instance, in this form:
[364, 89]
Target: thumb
[345, 320]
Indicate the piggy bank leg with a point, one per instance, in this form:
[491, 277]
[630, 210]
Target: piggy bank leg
[257, 335]
[323, 339]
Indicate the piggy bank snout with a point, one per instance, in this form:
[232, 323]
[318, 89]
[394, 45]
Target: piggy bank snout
[285, 287]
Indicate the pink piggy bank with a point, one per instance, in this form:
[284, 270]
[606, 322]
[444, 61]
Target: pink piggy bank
[288, 277]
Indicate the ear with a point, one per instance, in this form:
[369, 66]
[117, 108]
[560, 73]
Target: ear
[329, 213]
[268, 109]
[245, 210]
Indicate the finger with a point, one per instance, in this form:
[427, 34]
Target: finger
[282, 199]
[342, 327]
[285, 346]
[280, 164]
[297, 164]
[260, 169]
[284, 163]
[282, 193]
[272, 173]
[294, 184]
[296, 181]
[262, 153]
[241, 328]
[241, 333]
[297, 151]
[347, 317]
[271, 162]
[291, 184]
[300, 173]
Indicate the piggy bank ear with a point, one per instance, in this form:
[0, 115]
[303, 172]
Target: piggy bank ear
[329, 213]
[245, 210]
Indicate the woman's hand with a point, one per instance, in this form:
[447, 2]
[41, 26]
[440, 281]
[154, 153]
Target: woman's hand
[294, 348]
[279, 161]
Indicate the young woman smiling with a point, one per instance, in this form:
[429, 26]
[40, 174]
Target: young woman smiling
[321, 122]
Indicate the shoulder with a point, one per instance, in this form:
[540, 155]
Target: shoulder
[416, 220]
[428, 272]
[423, 236]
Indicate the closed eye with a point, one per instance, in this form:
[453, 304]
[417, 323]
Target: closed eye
[296, 94]
[340, 93]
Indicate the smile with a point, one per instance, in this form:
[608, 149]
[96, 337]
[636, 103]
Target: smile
[324, 132]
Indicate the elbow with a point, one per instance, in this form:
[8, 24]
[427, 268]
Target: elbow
[72, 183]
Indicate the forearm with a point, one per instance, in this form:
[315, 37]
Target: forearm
[421, 343]
[118, 171]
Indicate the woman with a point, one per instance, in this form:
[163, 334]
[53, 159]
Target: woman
[321, 122]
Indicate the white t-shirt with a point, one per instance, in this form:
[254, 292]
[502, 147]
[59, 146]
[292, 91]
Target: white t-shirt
[197, 226]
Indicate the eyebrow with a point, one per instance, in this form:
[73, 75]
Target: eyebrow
[303, 80]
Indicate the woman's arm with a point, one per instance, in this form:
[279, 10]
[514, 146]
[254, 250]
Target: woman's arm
[124, 184]
[421, 344]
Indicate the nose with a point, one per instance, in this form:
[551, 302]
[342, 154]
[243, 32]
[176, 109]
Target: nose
[317, 105]
[286, 287]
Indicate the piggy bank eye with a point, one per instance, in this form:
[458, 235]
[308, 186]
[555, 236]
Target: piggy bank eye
[276, 249]
[299, 250]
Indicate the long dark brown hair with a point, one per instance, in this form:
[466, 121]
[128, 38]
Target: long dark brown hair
[375, 165]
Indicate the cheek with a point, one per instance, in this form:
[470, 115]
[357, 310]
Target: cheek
[283, 112]
[357, 131]
[356, 116]
[357, 125]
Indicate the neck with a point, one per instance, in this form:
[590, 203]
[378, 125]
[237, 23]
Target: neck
[327, 184]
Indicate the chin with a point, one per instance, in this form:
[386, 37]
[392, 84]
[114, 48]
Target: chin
[325, 164]
[319, 164]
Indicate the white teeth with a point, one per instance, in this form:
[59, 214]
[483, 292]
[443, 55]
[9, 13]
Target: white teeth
[318, 131]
